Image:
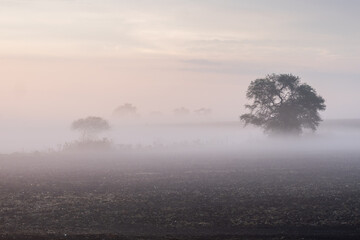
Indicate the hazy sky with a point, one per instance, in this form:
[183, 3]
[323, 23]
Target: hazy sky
[64, 59]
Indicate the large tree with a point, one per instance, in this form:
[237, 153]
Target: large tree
[281, 104]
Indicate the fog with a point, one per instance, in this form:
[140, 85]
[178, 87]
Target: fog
[183, 136]
[124, 119]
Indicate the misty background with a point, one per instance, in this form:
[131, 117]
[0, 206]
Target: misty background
[159, 57]
[332, 135]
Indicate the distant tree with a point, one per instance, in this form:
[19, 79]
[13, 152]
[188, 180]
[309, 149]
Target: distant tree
[90, 127]
[126, 110]
[203, 112]
[181, 111]
[283, 105]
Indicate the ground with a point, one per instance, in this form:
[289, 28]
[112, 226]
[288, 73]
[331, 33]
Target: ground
[270, 197]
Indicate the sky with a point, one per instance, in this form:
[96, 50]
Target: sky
[65, 59]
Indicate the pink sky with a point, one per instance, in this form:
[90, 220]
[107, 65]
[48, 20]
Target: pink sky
[66, 59]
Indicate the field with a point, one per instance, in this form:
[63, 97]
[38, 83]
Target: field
[131, 196]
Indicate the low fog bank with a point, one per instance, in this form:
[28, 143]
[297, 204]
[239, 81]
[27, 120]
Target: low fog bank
[189, 138]
[187, 145]
[332, 135]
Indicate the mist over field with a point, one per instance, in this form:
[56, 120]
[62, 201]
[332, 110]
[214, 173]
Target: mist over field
[332, 135]
[183, 180]
[179, 120]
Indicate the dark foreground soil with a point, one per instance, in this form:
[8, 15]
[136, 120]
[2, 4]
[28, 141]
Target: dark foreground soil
[295, 198]
[177, 237]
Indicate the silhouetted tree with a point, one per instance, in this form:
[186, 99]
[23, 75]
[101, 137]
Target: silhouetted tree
[203, 112]
[283, 105]
[181, 111]
[126, 110]
[90, 127]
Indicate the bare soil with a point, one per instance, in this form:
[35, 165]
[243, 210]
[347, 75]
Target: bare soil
[231, 198]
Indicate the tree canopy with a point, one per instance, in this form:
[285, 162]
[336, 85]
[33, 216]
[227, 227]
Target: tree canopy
[281, 104]
[89, 127]
[181, 111]
[126, 110]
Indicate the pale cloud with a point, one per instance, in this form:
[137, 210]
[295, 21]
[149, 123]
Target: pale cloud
[230, 30]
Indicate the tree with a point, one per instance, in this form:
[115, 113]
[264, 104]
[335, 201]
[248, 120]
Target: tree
[182, 111]
[283, 105]
[203, 112]
[90, 127]
[126, 110]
